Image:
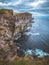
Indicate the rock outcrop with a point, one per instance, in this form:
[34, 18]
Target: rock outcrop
[10, 25]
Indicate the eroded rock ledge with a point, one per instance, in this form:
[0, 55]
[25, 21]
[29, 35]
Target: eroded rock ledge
[10, 25]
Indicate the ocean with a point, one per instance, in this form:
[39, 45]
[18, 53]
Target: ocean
[37, 37]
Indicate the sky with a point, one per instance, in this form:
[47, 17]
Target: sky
[36, 7]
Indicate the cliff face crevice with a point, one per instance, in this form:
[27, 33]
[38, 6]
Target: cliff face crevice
[10, 25]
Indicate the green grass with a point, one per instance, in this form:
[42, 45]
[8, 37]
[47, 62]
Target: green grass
[6, 11]
[22, 61]
[3, 11]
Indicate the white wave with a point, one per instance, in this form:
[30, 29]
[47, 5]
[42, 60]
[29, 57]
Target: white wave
[27, 28]
[30, 33]
[40, 53]
[36, 52]
[36, 34]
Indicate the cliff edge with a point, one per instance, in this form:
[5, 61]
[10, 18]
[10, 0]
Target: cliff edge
[10, 25]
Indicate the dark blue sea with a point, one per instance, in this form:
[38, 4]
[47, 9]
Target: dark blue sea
[37, 37]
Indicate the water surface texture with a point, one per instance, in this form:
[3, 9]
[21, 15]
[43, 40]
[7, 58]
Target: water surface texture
[37, 36]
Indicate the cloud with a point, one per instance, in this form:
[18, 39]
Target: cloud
[37, 14]
[36, 3]
[11, 3]
[36, 7]
[17, 11]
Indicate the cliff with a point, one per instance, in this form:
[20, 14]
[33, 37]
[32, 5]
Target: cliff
[7, 47]
[11, 25]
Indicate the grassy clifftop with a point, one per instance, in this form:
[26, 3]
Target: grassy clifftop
[28, 61]
[6, 11]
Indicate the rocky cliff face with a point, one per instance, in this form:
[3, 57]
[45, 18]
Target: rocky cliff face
[7, 47]
[8, 27]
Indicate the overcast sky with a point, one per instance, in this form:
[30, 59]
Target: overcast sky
[36, 7]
